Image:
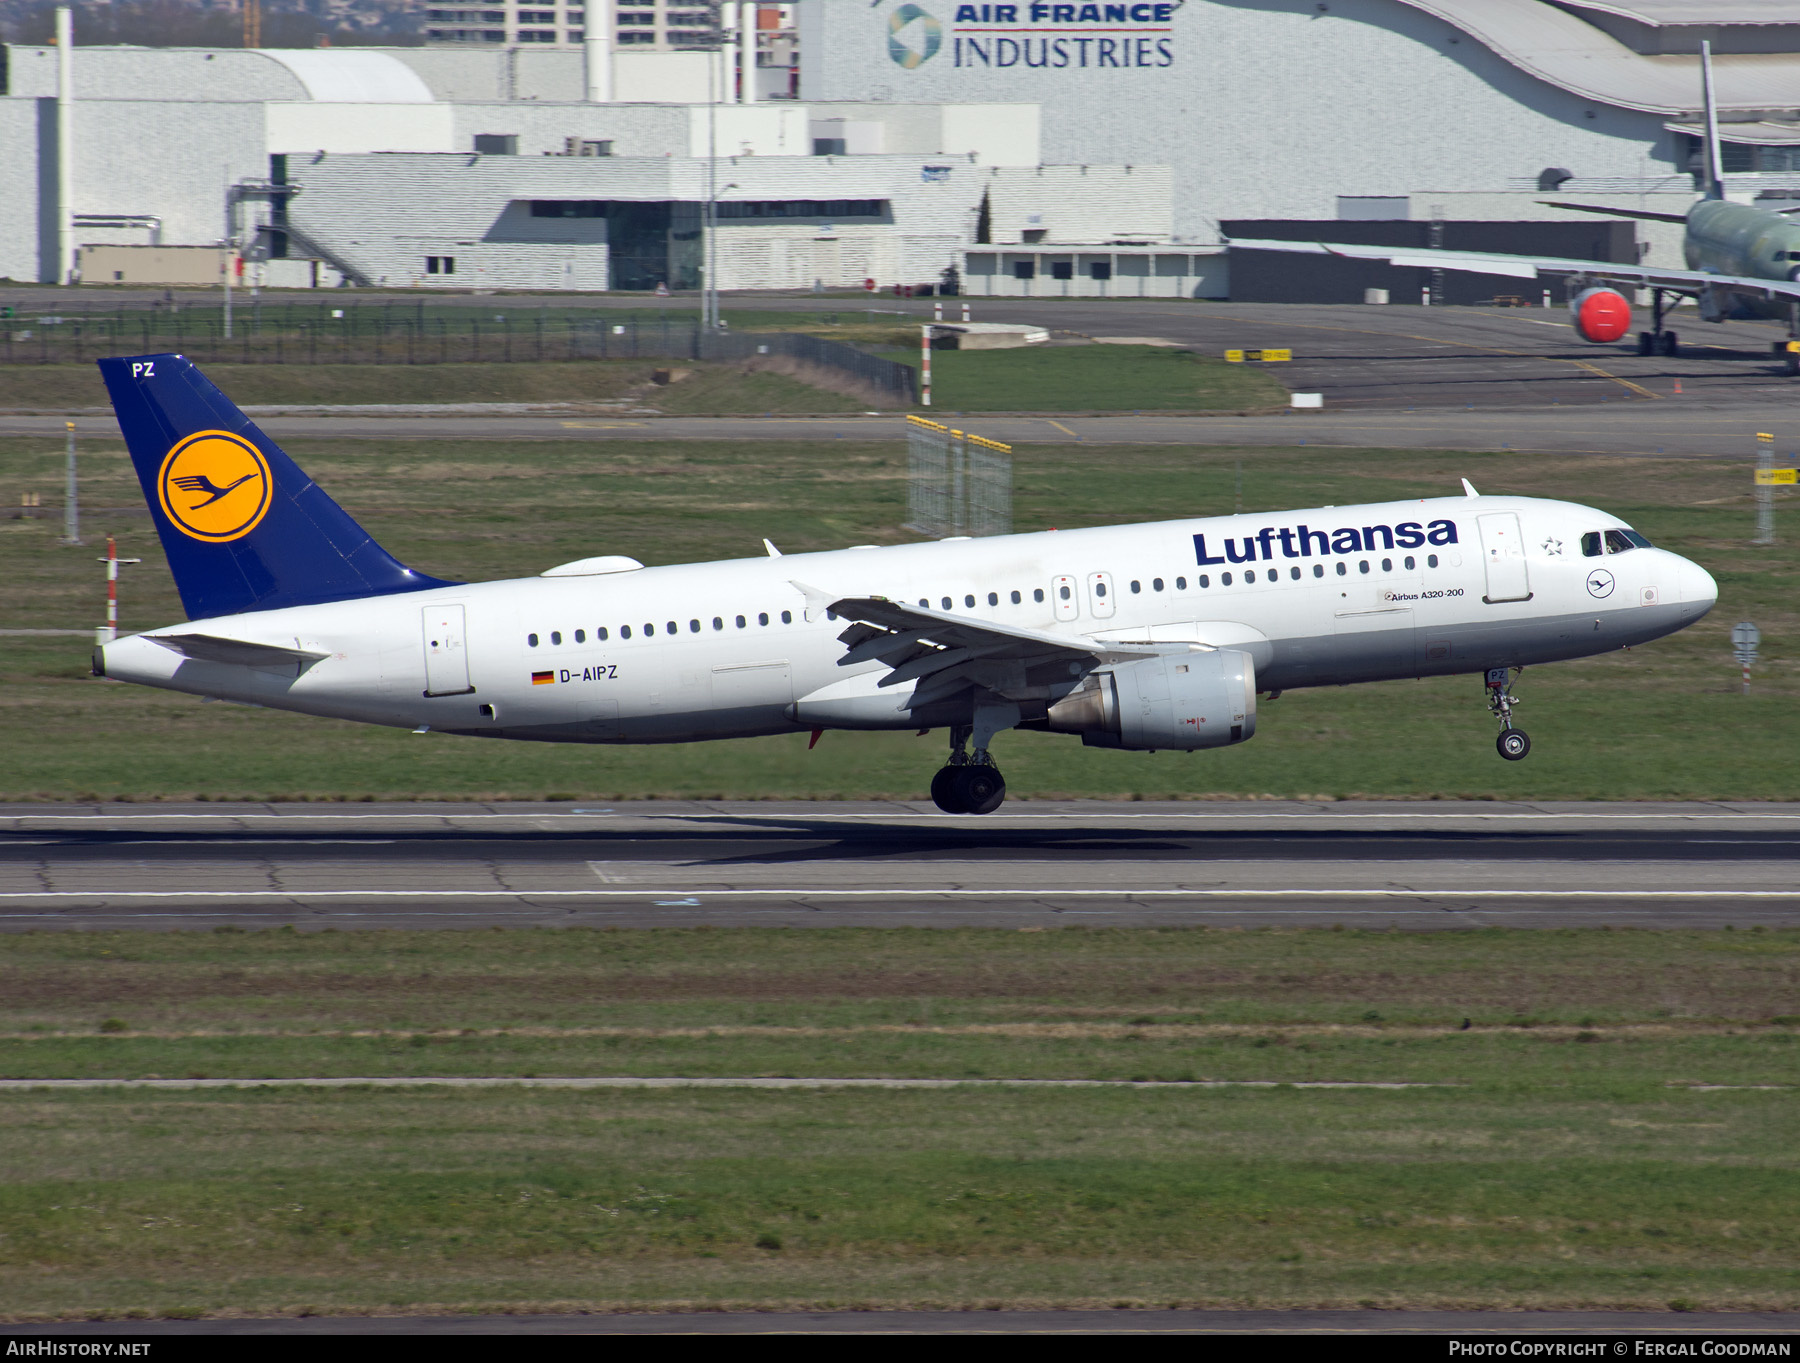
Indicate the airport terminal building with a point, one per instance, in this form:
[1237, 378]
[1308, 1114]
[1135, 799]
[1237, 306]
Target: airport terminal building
[1036, 147]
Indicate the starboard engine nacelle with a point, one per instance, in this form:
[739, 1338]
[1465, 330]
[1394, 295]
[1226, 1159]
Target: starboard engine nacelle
[1600, 314]
[1183, 701]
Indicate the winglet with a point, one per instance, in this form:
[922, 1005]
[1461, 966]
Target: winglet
[773, 551]
[1715, 174]
[1469, 489]
[817, 602]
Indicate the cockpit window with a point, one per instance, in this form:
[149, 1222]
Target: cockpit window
[1620, 541]
[1590, 545]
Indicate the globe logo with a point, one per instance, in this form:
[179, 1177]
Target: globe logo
[914, 37]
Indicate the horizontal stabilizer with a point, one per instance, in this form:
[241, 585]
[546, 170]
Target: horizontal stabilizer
[1642, 214]
[211, 648]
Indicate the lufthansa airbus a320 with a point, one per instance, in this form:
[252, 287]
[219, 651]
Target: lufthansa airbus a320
[1154, 636]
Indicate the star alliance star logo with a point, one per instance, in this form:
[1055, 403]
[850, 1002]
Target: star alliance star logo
[1553, 547]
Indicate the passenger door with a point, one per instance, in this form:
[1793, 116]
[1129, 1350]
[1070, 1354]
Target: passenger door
[1503, 552]
[446, 660]
[1062, 595]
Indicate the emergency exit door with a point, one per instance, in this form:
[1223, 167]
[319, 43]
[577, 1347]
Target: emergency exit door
[446, 660]
[1503, 554]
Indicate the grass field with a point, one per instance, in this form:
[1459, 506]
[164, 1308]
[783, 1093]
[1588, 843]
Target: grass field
[1568, 1160]
[1664, 721]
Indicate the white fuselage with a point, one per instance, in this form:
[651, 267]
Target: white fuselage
[710, 650]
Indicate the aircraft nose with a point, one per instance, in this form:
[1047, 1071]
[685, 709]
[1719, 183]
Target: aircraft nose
[1698, 589]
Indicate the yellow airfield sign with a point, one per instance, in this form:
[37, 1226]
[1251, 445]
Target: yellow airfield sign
[1255, 356]
[1776, 477]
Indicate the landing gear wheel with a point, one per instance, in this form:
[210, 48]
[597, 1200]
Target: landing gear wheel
[1513, 744]
[1646, 343]
[946, 794]
[981, 789]
[1668, 343]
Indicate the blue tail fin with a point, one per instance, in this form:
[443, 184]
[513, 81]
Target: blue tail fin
[243, 527]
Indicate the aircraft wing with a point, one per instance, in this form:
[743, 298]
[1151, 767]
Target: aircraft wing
[213, 648]
[947, 653]
[1534, 267]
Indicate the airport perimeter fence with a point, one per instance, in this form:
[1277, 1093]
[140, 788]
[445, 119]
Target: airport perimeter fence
[411, 334]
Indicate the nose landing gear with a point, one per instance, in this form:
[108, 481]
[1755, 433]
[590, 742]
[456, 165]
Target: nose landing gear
[1512, 743]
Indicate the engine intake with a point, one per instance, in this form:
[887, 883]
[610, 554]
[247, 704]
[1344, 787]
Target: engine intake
[1184, 701]
[1600, 314]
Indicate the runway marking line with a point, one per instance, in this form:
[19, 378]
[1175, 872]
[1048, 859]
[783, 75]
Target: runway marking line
[1324, 892]
[1318, 812]
[658, 1081]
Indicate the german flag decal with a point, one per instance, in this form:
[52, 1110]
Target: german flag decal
[542, 678]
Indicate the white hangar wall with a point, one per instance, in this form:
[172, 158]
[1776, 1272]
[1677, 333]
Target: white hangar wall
[1264, 108]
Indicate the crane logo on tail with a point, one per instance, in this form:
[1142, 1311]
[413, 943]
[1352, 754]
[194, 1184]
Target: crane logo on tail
[214, 486]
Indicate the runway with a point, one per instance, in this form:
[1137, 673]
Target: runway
[1433, 866]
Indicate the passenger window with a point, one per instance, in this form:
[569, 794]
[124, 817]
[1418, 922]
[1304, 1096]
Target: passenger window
[1136, 587]
[649, 629]
[1363, 567]
[741, 622]
[1016, 599]
[600, 634]
[1342, 570]
[1590, 545]
[1410, 563]
[762, 617]
[787, 617]
[1181, 584]
[1294, 573]
[531, 639]
[1318, 570]
[969, 600]
[556, 636]
[624, 631]
[993, 598]
[1224, 579]
[1156, 584]
[923, 602]
[1100, 589]
[671, 628]
[718, 623]
[946, 603]
[1250, 575]
[1387, 565]
[581, 636]
[1037, 594]
[1204, 580]
[1064, 593]
[1431, 560]
[693, 626]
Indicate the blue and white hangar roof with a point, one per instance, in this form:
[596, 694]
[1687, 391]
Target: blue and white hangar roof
[1274, 108]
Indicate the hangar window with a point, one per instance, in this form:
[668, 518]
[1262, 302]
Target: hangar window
[1062, 269]
[1024, 269]
[581, 636]
[569, 208]
[1100, 269]
[531, 639]
[440, 264]
[829, 209]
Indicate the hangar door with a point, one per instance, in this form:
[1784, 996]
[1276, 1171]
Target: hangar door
[1503, 553]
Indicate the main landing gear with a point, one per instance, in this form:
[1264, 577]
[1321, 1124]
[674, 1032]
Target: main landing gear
[1512, 743]
[971, 783]
[1656, 341]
